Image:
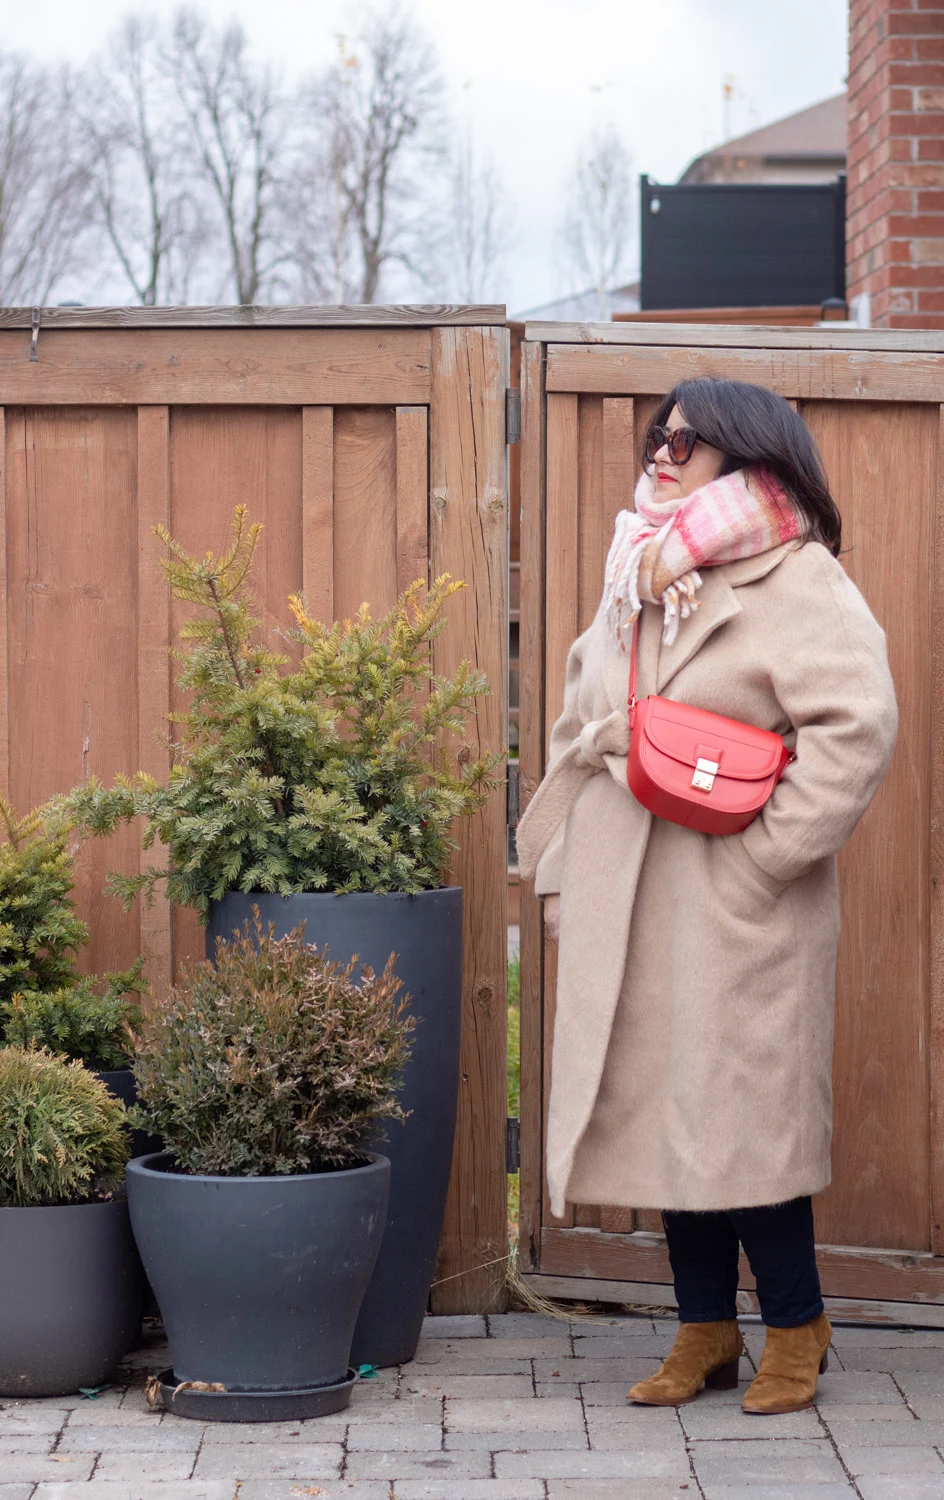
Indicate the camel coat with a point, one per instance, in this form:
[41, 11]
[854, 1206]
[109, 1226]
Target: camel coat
[692, 1048]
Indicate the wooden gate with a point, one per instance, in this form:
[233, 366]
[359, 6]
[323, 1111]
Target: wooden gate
[873, 402]
[371, 444]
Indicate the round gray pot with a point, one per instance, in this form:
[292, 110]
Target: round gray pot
[259, 1279]
[425, 931]
[71, 1294]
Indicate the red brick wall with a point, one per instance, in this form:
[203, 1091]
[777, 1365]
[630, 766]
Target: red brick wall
[895, 185]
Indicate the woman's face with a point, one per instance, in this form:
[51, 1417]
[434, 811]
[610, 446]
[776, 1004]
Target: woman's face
[675, 481]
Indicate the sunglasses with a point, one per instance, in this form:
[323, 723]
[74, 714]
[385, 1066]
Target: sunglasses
[680, 443]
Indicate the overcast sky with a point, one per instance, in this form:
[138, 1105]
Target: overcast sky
[534, 76]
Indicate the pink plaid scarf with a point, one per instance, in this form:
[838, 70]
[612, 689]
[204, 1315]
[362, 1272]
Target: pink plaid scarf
[658, 548]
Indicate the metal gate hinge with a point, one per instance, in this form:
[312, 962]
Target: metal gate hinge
[512, 415]
[34, 336]
[512, 1145]
[512, 796]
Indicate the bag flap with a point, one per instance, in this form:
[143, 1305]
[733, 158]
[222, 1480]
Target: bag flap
[687, 734]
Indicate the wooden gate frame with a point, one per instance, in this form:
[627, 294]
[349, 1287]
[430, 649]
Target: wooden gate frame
[445, 371]
[860, 364]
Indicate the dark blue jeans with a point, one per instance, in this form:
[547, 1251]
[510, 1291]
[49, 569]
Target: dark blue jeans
[778, 1243]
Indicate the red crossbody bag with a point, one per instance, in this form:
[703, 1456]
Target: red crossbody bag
[696, 768]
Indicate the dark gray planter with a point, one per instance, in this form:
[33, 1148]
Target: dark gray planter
[425, 931]
[71, 1293]
[122, 1083]
[259, 1279]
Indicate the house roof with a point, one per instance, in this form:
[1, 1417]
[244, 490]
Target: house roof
[816, 132]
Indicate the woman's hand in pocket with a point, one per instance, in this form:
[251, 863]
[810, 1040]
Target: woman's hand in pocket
[552, 916]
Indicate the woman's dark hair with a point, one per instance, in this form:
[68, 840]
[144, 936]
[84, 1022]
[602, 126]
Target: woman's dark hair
[755, 428]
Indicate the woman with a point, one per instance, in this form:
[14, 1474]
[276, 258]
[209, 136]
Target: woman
[691, 1063]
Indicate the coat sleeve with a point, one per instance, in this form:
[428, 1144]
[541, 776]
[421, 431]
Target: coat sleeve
[547, 878]
[829, 669]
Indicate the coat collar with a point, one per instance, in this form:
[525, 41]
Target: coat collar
[658, 663]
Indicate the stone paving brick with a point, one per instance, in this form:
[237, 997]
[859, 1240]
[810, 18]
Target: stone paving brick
[468, 1489]
[322, 1489]
[768, 1461]
[876, 1434]
[516, 1416]
[644, 1464]
[455, 1326]
[93, 1415]
[494, 1442]
[856, 1387]
[432, 1351]
[431, 1382]
[867, 1411]
[619, 1368]
[640, 1346]
[383, 1435]
[317, 1430]
[890, 1338]
[406, 1408]
[26, 1442]
[630, 1489]
[926, 1384]
[31, 1418]
[905, 1487]
[129, 1467]
[866, 1358]
[418, 1465]
[142, 1489]
[161, 1437]
[557, 1389]
[112, 1397]
[892, 1460]
[834, 1490]
[604, 1393]
[609, 1429]
[24, 1491]
[527, 1326]
[492, 1363]
[57, 1466]
[269, 1461]
[704, 1419]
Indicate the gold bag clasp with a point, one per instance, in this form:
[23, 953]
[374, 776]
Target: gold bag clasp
[705, 773]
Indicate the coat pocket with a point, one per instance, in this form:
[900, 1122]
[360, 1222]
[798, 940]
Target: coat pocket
[733, 847]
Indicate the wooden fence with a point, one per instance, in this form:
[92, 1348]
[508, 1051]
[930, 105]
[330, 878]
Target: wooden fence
[875, 404]
[371, 444]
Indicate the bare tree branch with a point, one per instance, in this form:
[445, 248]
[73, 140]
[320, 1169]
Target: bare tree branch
[237, 118]
[145, 199]
[599, 220]
[375, 123]
[476, 234]
[44, 184]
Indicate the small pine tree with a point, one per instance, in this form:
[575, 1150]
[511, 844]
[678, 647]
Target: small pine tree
[330, 777]
[43, 1003]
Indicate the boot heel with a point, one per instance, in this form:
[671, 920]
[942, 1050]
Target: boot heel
[824, 1363]
[725, 1378]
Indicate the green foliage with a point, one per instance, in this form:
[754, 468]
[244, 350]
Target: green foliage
[42, 1001]
[76, 1020]
[62, 1135]
[272, 1060]
[40, 933]
[514, 1037]
[331, 775]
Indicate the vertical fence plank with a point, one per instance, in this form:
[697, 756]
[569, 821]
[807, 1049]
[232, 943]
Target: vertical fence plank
[469, 539]
[562, 563]
[936, 883]
[153, 664]
[412, 496]
[4, 620]
[318, 511]
[531, 769]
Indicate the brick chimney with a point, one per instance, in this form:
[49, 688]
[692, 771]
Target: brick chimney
[895, 187]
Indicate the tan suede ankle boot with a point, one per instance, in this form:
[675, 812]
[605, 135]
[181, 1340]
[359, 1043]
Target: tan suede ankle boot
[792, 1359]
[703, 1354]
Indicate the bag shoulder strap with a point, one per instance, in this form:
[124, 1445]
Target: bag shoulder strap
[632, 670]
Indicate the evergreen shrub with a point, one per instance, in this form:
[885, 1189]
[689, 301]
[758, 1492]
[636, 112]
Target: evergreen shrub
[43, 1003]
[328, 772]
[271, 1060]
[62, 1135]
